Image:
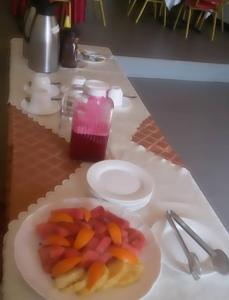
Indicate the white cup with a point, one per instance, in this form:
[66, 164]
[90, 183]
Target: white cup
[41, 82]
[40, 101]
[116, 95]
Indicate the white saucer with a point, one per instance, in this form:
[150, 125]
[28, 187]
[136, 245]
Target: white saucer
[120, 182]
[52, 109]
[173, 255]
[89, 56]
[52, 90]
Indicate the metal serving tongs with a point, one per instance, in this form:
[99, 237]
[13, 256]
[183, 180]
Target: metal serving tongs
[193, 260]
[218, 257]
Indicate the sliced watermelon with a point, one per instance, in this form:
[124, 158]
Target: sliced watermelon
[103, 244]
[72, 228]
[136, 238]
[70, 252]
[98, 226]
[98, 211]
[124, 224]
[93, 243]
[50, 255]
[105, 257]
[129, 247]
[88, 257]
[46, 229]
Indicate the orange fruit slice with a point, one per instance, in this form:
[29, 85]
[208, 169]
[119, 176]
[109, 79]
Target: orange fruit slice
[115, 233]
[56, 240]
[95, 272]
[83, 237]
[123, 254]
[60, 217]
[65, 265]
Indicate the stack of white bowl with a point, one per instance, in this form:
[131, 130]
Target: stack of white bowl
[120, 182]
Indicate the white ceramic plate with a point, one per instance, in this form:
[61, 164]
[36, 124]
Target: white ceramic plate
[120, 181]
[52, 90]
[28, 263]
[173, 254]
[52, 109]
[132, 207]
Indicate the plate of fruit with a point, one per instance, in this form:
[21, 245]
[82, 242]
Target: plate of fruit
[85, 247]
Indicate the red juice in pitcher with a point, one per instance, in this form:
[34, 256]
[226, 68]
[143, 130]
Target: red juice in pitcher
[90, 128]
[88, 147]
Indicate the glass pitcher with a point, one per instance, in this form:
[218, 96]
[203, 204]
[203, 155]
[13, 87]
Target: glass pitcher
[91, 124]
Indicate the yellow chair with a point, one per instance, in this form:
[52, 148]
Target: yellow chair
[102, 11]
[205, 6]
[155, 2]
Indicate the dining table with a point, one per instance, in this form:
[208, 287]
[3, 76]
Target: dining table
[41, 172]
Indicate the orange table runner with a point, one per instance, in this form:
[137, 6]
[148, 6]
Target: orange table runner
[150, 136]
[40, 159]
[39, 162]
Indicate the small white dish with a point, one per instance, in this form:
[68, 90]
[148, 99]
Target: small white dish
[27, 260]
[53, 108]
[89, 56]
[52, 90]
[173, 255]
[120, 182]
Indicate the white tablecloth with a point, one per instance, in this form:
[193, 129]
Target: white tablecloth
[174, 188]
[127, 120]
[172, 182]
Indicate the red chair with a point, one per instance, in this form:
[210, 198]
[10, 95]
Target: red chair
[18, 7]
[205, 7]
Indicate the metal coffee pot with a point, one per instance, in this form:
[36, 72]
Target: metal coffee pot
[44, 44]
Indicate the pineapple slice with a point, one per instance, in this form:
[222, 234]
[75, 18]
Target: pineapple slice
[133, 274]
[67, 279]
[77, 286]
[117, 269]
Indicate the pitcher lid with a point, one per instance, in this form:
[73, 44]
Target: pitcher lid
[96, 88]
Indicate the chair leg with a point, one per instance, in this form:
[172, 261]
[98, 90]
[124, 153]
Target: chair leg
[214, 25]
[201, 22]
[184, 15]
[165, 13]
[155, 10]
[188, 22]
[141, 12]
[198, 19]
[222, 18]
[161, 9]
[102, 12]
[178, 16]
[131, 7]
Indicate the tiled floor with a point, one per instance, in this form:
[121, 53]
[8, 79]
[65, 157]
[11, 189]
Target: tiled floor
[149, 38]
[194, 118]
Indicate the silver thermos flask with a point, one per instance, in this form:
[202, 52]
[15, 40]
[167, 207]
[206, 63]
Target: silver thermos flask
[29, 18]
[44, 42]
